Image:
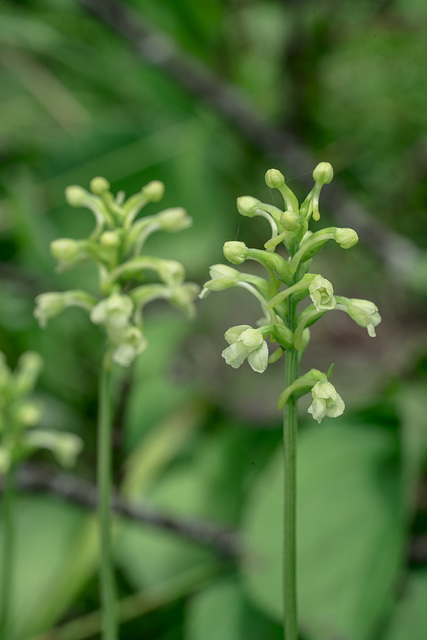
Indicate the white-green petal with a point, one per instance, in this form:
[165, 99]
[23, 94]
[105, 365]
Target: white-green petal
[235, 354]
[132, 345]
[252, 338]
[317, 409]
[258, 359]
[233, 334]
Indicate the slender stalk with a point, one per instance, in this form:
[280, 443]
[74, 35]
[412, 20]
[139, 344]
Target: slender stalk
[290, 426]
[107, 579]
[8, 554]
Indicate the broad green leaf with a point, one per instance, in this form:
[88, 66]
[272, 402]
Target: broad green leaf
[203, 482]
[55, 555]
[224, 610]
[411, 406]
[150, 556]
[410, 616]
[350, 531]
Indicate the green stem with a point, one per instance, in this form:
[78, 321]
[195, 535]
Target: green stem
[8, 554]
[107, 579]
[290, 427]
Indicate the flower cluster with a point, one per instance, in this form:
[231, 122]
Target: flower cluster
[287, 283]
[19, 415]
[115, 246]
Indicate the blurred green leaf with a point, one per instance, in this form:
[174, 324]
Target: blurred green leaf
[410, 617]
[411, 399]
[149, 556]
[224, 610]
[54, 558]
[350, 531]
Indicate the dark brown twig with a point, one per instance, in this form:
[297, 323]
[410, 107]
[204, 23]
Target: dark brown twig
[35, 478]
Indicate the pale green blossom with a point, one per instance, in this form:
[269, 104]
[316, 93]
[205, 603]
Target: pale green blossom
[322, 293]
[248, 344]
[326, 401]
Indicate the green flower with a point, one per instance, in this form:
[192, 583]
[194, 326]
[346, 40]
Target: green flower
[114, 313]
[322, 294]
[326, 401]
[64, 446]
[51, 304]
[248, 344]
[132, 344]
[222, 277]
[48, 305]
[363, 312]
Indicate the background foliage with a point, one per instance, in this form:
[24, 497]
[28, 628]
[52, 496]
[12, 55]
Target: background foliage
[206, 96]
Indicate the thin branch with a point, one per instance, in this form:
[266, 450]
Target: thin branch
[398, 253]
[35, 478]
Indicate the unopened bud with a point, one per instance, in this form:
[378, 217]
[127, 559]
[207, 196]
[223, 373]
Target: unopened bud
[98, 186]
[154, 190]
[65, 250]
[235, 252]
[346, 238]
[323, 173]
[290, 221]
[28, 415]
[76, 196]
[175, 219]
[274, 179]
[247, 206]
[110, 239]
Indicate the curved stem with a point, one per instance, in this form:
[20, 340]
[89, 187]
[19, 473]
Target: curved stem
[290, 427]
[8, 554]
[107, 579]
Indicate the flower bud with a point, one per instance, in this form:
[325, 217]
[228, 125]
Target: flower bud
[66, 251]
[173, 220]
[110, 239]
[247, 206]
[235, 252]
[346, 238]
[323, 173]
[99, 186]
[154, 190]
[76, 196]
[290, 221]
[274, 179]
[28, 415]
